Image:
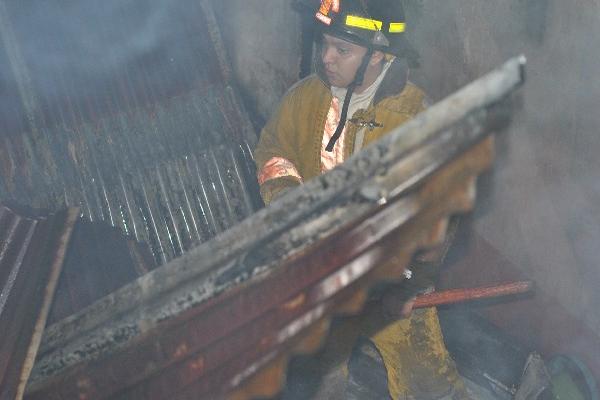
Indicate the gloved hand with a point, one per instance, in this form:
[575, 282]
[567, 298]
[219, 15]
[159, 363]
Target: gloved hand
[397, 300]
[394, 307]
[276, 188]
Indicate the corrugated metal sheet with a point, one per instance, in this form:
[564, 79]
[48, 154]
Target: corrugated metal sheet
[170, 176]
[143, 129]
[32, 252]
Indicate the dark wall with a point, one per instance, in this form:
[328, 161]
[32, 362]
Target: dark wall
[263, 41]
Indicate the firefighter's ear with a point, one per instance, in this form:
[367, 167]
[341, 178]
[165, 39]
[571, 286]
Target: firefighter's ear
[377, 58]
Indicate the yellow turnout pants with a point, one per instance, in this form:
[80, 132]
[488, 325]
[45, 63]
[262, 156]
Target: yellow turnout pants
[415, 356]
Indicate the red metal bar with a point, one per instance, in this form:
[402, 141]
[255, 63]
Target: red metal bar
[459, 295]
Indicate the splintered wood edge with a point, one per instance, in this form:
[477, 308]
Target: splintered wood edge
[457, 181]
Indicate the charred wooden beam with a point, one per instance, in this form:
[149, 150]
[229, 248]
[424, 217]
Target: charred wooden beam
[206, 323]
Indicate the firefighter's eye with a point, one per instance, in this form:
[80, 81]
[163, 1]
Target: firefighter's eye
[343, 51]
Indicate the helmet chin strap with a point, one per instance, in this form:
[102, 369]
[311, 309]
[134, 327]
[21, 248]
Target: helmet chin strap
[358, 80]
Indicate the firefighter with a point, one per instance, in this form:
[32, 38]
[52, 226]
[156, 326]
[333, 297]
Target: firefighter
[361, 91]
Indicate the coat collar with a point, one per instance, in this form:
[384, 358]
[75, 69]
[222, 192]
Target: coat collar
[393, 83]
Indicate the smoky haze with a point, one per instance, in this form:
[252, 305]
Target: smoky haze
[86, 36]
[537, 217]
[539, 210]
[98, 51]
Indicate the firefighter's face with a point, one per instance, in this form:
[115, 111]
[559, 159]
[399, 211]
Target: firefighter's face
[341, 60]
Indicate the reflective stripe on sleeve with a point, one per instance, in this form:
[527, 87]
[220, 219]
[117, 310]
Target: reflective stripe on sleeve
[278, 167]
[330, 159]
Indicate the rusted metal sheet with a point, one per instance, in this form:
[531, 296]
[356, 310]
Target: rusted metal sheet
[222, 320]
[146, 133]
[32, 253]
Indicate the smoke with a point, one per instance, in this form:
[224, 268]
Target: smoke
[543, 212]
[86, 49]
[90, 36]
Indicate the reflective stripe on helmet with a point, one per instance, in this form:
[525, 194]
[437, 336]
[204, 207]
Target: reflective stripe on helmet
[363, 23]
[373, 24]
[278, 167]
[397, 27]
